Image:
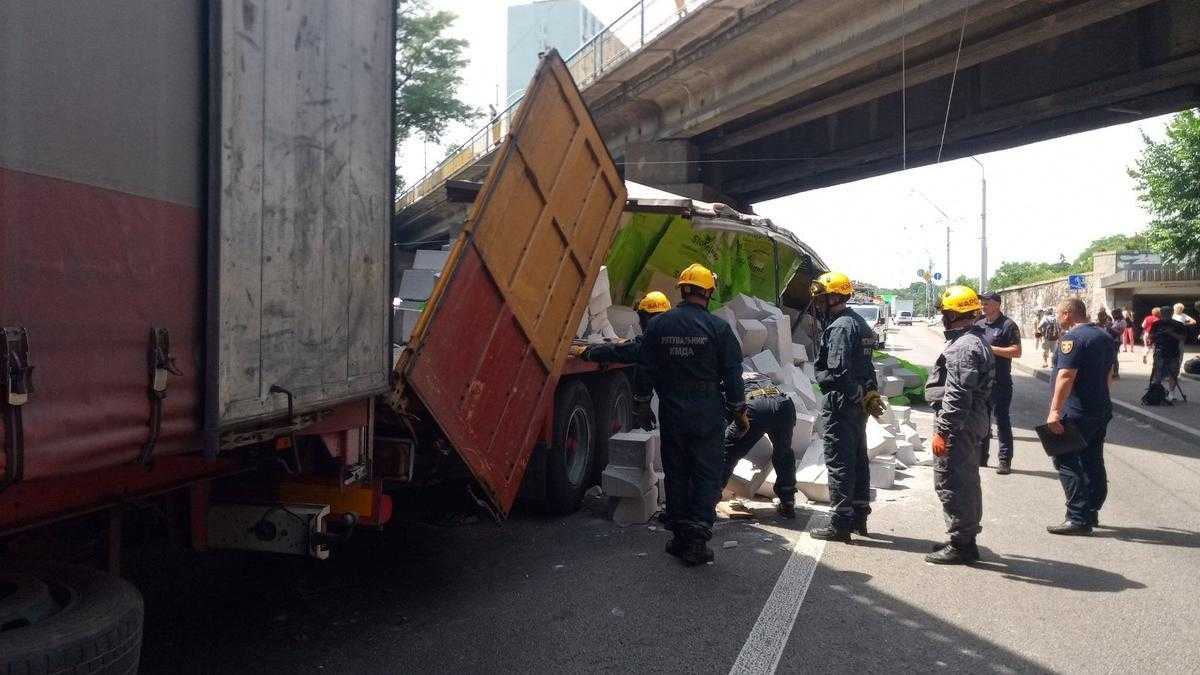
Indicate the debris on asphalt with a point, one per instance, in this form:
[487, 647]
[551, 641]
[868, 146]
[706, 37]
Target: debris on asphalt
[729, 544]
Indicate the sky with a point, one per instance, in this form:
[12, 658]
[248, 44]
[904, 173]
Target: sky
[1044, 200]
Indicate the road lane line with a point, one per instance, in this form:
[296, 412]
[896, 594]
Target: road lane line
[767, 640]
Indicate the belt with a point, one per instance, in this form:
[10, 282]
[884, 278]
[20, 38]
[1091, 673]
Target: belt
[762, 393]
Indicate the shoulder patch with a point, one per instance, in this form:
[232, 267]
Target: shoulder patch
[1065, 346]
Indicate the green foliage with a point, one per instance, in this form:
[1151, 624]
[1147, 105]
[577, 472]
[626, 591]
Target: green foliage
[1019, 273]
[970, 282]
[1168, 179]
[914, 292]
[1115, 242]
[428, 67]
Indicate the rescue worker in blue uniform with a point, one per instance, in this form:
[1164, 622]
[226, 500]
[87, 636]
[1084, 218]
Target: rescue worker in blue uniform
[1004, 337]
[960, 391]
[694, 362]
[847, 378]
[1083, 366]
[772, 414]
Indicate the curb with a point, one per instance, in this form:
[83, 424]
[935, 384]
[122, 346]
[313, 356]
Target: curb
[1168, 426]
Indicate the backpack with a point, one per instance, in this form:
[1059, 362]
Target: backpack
[1051, 331]
[1155, 395]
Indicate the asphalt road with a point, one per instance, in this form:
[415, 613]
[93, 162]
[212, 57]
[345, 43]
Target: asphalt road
[581, 594]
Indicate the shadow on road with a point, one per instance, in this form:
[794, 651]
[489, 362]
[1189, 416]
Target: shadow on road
[1167, 536]
[1039, 474]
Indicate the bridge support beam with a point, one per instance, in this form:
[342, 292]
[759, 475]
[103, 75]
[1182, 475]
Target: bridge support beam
[676, 166]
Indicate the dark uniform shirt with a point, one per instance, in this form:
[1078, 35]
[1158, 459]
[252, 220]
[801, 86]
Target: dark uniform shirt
[844, 359]
[1002, 332]
[689, 350]
[1088, 350]
[1165, 335]
[625, 351]
[960, 385]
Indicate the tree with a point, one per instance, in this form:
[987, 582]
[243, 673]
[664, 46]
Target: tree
[428, 67]
[1019, 273]
[1113, 243]
[1168, 180]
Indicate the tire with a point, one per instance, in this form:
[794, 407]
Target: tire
[570, 464]
[79, 620]
[614, 413]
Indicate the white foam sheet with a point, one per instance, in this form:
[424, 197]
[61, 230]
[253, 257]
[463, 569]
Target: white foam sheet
[879, 440]
[752, 335]
[765, 362]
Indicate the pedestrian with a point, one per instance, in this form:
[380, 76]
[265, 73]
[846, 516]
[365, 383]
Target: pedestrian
[1004, 338]
[1147, 327]
[846, 376]
[1168, 337]
[1047, 332]
[772, 414]
[1117, 331]
[1103, 320]
[1179, 315]
[1080, 398]
[960, 391]
[694, 364]
[1127, 334]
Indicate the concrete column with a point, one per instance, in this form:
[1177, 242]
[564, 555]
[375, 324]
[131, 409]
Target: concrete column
[675, 166]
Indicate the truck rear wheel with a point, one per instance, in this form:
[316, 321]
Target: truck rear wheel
[68, 619]
[570, 464]
[614, 413]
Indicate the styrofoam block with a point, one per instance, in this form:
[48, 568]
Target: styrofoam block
[879, 441]
[802, 433]
[760, 454]
[910, 434]
[779, 337]
[909, 378]
[636, 510]
[906, 453]
[430, 260]
[803, 381]
[626, 481]
[888, 419]
[886, 362]
[583, 326]
[883, 473]
[746, 479]
[800, 353]
[765, 363]
[602, 289]
[767, 489]
[891, 386]
[635, 448]
[752, 335]
[746, 307]
[923, 458]
[416, 284]
[624, 321]
[728, 316]
[903, 413]
[404, 320]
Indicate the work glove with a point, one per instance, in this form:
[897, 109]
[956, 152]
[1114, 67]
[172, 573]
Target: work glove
[643, 416]
[872, 404]
[578, 351]
[940, 449]
[741, 418]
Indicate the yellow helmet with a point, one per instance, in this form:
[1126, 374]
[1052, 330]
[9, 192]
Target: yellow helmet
[699, 276]
[655, 302]
[833, 282]
[960, 299]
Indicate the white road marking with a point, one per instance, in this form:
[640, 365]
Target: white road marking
[764, 647]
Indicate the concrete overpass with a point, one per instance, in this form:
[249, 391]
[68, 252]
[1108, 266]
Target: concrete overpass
[747, 100]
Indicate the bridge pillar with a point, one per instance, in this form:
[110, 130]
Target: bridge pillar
[675, 166]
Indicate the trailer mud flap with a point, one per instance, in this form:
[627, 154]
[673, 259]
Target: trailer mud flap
[492, 342]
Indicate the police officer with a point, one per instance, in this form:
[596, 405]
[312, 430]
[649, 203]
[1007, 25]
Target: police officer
[847, 378]
[1004, 337]
[626, 351]
[1082, 367]
[772, 414]
[960, 389]
[695, 364]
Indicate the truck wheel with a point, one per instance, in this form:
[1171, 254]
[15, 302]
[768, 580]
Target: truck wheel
[614, 413]
[569, 466]
[68, 619]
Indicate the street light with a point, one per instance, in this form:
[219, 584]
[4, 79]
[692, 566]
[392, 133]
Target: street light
[982, 226]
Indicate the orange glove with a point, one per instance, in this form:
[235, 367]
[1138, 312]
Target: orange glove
[939, 445]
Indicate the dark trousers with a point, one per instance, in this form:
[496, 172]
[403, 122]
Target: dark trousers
[774, 417]
[846, 460]
[693, 440]
[956, 479]
[1082, 474]
[1002, 395]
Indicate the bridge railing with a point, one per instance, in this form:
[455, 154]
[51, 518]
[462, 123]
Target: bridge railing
[624, 37]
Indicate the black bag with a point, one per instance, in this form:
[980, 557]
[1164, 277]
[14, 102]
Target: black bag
[1192, 367]
[1155, 394]
[1070, 440]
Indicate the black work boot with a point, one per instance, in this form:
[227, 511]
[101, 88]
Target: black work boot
[831, 533]
[971, 550]
[786, 510]
[676, 546]
[954, 554]
[697, 553]
[859, 526]
[1005, 467]
[1070, 528]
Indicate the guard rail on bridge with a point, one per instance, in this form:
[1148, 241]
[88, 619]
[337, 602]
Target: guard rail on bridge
[627, 35]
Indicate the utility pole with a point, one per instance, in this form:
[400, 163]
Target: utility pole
[982, 226]
[948, 282]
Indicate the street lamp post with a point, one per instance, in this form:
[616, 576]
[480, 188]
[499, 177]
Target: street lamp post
[982, 226]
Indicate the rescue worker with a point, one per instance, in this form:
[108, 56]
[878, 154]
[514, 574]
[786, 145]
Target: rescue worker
[626, 351]
[847, 378]
[960, 391]
[772, 414]
[1080, 381]
[1004, 337]
[694, 363]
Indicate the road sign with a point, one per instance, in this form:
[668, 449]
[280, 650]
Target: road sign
[921, 273]
[1077, 282]
[937, 276]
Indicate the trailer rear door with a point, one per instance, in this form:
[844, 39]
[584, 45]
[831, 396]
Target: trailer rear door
[492, 342]
[298, 285]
